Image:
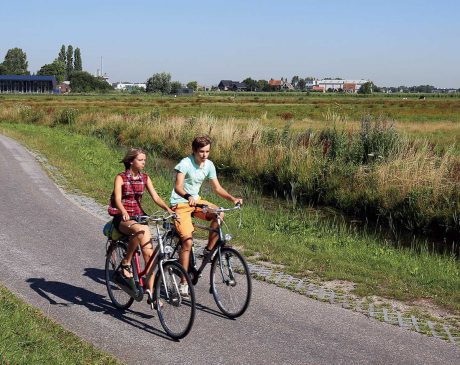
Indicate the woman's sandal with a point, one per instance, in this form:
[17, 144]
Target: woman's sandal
[126, 268]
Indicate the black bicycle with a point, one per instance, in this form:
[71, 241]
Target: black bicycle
[230, 279]
[176, 312]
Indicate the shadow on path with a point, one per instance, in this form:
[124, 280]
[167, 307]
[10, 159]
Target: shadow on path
[66, 295]
[98, 275]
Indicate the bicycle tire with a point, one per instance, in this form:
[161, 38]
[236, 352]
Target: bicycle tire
[115, 253]
[231, 287]
[176, 313]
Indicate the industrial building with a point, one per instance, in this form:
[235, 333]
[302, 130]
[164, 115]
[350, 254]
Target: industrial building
[26, 84]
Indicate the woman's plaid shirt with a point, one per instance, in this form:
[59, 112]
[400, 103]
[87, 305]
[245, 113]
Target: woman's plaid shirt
[131, 193]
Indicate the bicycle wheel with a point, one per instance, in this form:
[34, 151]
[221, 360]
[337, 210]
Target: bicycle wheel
[230, 282]
[115, 254]
[175, 312]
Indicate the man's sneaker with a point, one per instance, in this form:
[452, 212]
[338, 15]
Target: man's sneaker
[183, 290]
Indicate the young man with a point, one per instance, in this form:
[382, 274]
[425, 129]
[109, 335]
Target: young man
[190, 174]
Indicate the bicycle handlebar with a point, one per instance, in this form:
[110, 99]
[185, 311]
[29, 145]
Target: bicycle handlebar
[217, 210]
[146, 218]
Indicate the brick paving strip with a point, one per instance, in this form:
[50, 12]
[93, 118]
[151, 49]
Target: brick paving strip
[431, 327]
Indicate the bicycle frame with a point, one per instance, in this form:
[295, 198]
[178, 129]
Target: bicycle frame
[196, 272]
[175, 306]
[138, 273]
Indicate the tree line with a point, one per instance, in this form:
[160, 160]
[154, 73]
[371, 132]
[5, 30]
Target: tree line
[68, 65]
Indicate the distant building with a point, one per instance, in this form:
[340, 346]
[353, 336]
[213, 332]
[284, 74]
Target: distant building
[280, 84]
[228, 85]
[127, 86]
[350, 86]
[27, 84]
[318, 88]
[64, 87]
[184, 91]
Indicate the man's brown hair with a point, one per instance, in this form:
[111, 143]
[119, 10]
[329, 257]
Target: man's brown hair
[199, 142]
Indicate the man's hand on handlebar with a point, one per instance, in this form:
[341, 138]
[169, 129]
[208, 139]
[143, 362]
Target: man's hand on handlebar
[237, 201]
[191, 201]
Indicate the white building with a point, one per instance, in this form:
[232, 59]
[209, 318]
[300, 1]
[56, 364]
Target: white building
[351, 86]
[126, 86]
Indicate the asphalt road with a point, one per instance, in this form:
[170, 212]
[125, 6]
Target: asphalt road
[53, 257]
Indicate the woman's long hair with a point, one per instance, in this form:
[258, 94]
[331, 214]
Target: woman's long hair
[131, 154]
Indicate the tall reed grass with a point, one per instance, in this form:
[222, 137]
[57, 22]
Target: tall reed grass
[373, 172]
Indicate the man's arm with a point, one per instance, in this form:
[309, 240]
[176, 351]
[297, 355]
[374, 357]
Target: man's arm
[219, 190]
[179, 188]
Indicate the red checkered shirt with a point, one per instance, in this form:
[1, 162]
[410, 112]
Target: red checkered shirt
[131, 192]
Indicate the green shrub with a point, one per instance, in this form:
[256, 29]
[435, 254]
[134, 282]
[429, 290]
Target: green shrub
[68, 116]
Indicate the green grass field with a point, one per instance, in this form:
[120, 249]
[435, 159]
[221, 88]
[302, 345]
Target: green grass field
[436, 113]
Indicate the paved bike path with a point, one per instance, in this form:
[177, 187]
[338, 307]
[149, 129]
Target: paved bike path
[53, 257]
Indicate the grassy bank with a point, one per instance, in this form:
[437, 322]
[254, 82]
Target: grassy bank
[28, 337]
[297, 238]
[369, 169]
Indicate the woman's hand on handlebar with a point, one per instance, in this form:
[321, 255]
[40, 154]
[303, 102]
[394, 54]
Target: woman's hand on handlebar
[126, 216]
[173, 213]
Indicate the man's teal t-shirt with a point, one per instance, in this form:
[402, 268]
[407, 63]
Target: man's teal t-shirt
[194, 177]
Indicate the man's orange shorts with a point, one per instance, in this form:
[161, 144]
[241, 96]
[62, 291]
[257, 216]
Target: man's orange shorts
[184, 211]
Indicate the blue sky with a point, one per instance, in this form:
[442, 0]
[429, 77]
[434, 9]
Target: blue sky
[391, 42]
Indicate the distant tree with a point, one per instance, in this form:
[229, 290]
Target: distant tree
[69, 62]
[15, 62]
[81, 81]
[294, 81]
[77, 64]
[301, 84]
[159, 82]
[251, 85]
[57, 69]
[263, 85]
[3, 70]
[62, 55]
[425, 88]
[193, 85]
[366, 88]
[175, 86]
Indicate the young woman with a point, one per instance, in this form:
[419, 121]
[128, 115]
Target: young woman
[125, 205]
